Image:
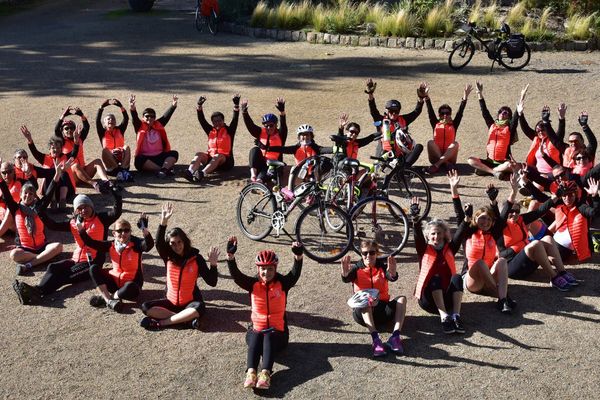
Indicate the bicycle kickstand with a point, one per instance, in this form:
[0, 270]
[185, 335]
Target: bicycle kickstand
[492, 67]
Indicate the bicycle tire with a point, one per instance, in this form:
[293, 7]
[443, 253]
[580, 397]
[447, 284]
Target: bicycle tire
[198, 19]
[461, 54]
[380, 219]
[510, 65]
[320, 243]
[337, 191]
[254, 210]
[407, 184]
[213, 22]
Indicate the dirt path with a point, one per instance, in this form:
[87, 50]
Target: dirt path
[62, 55]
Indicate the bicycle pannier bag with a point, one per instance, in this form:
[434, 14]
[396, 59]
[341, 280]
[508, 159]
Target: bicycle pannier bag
[516, 46]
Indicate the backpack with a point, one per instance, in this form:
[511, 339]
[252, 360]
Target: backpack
[515, 46]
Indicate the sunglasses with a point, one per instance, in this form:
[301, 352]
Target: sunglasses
[368, 253]
[269, 125]
[445, 113]
[353, 132]
[393, 111]
[68, 128]
[124, 230]
[149, 116]
[580, 158]
[6, 172]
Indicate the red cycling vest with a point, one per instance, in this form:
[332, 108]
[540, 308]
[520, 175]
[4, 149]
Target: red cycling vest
[94, 228]
[219, 142]
[113, 139]
[143, 131]
[498, 142]
[481, 246]
[550, 150]
[515, 235]
[388, 145]
[577, 225]
[49, 163]
[304, 152]
[372, 278]
[268, 305]
[273, 140]
[426, 268]
[181, 281]
[34, 240]
[444, 135]
[125, 265]
[68, 147]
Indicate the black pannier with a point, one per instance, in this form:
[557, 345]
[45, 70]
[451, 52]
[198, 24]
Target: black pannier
[516, 46]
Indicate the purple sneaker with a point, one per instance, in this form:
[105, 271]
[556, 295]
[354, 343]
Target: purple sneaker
[570, 278]
[395, 344]
[378, 348]
[560, 283]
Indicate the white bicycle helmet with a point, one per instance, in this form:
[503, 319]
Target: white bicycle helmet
[304, 129]
[404, 140]
[364, 298]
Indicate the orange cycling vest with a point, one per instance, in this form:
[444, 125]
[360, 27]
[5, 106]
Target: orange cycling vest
[68, 147]
[552, 151]
[219, 142]
[481, 246]
[34, 240]
[577, 225]
[20, 175]
[268, 306]
[273, 140]
[444, 135]
[113, 139]
[304, 152]
[427, 262]
[181, 281]
[498, 142]
[94, 228]
[125, 265]
[515, 235]
[372, 278]
[143, 131]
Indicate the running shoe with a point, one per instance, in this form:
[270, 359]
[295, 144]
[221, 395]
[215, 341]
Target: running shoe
[395, 344]
[198, 176]
[560, 283]
[150, 324]
[448, 326]
[188, 175]
[17, 288]
[458, 325]
[115, 304]
[250, 381]
[264, 380]
[195, 323]
[97, 301]
[378, 348]
[24, 269]
[128, 176]
[120, 177]
[570, 278]
[503, 306]
[27, 294]
[162, 174]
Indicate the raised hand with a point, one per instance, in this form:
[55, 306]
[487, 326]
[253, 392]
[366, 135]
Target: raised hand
[105, 104]
[370, 86]
[244, 105]
[345, 263]
[175, 99]
[213, 256]
[423, 90]
[201, 101]
[583, 118]
[142, 222]
[468, 209]
[236, 100]
[297, 249]
[453, 178]
[166, 213]
[415, 210]
[280, 104]
[479, 87]
[468, 90]
[117, 103]
[592, 188]
[524, 93]
[492, 192]
[231, 245]
[546, 114]
[343, 120]
[132, 101]
[26, 134]
[66, 112]
[78, 111]
[562, 110]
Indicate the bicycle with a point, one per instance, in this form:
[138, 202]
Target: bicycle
[504, 48]
[324, 229]
[207, 14]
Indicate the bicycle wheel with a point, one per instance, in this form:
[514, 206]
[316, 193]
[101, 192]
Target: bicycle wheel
[212, 22]
[382, 220]
[321, 243]
[513, 64]
[461, 54]
[407, 184]
[338, 191]
[198, 22]
[254, 210]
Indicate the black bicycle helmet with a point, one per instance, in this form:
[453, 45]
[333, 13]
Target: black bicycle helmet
[393, 105]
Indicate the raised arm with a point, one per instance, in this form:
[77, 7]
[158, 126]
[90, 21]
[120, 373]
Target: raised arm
[254, 129]
[232, 128]
[489, 120]
[242, 280]
[166, 117]
[291, 278]
[461, 108]
[206, 127]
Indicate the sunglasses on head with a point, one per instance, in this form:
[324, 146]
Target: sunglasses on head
[123, 230]
[368, 253]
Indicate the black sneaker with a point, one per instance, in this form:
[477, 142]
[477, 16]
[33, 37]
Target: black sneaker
[24, 269]
[150, 324]
[17, 288]
[115, 305]
[198, 176]
[188, 175]
[458, 325]
[504, 306]
[511, 303]
[27, 294]
[448, 325]
[97, 301]
[196, 323]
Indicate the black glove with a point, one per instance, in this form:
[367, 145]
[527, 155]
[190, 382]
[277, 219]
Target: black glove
[105, 104]
[492, 193]
[280, 105]
[469, 210]
[236, 100]
[371, 87]
[415, 210]
[231, 247]
[583, 120]
[142, 223]
[298, 250]
[79, 112]
[118, 103]
[201, 100]
[546, 116]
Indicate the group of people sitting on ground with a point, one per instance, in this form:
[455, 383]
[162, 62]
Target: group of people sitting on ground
[559, 179]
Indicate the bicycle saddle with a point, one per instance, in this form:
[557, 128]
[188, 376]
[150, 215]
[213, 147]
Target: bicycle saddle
[275, 163]
[351, 162]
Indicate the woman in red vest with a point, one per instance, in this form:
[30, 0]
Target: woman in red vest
[268, 290]
[571, 223]
[75, 269]
[219, 155]
[183, 303]
[502, 133]
[398, 124]
[31, 248]
[575, 140]
[153, 150]
[372, 273]
[8, 175]
[268, 135]
[84, 173]
[26, 172]
[116, 155]
[125, 279]
[439, 288]
[443, 148]
[484, 272]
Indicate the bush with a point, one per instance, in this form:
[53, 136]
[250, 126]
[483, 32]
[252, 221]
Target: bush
[490, 16]
[579, 27]
[260, 15]
[438, 21]
[319, 19]
[538, 31]
[405, 23]
[516, 15]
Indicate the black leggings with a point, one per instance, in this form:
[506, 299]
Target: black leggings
[266, 344]
[158, 159]
[383, 312]
[258, 161]
[128, 291]
[426, 301]
[62, 273]
[64, 181]
[521, 266]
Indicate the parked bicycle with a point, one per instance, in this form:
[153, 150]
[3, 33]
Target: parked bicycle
[323, 228]
[509, 50]
[207, 15]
